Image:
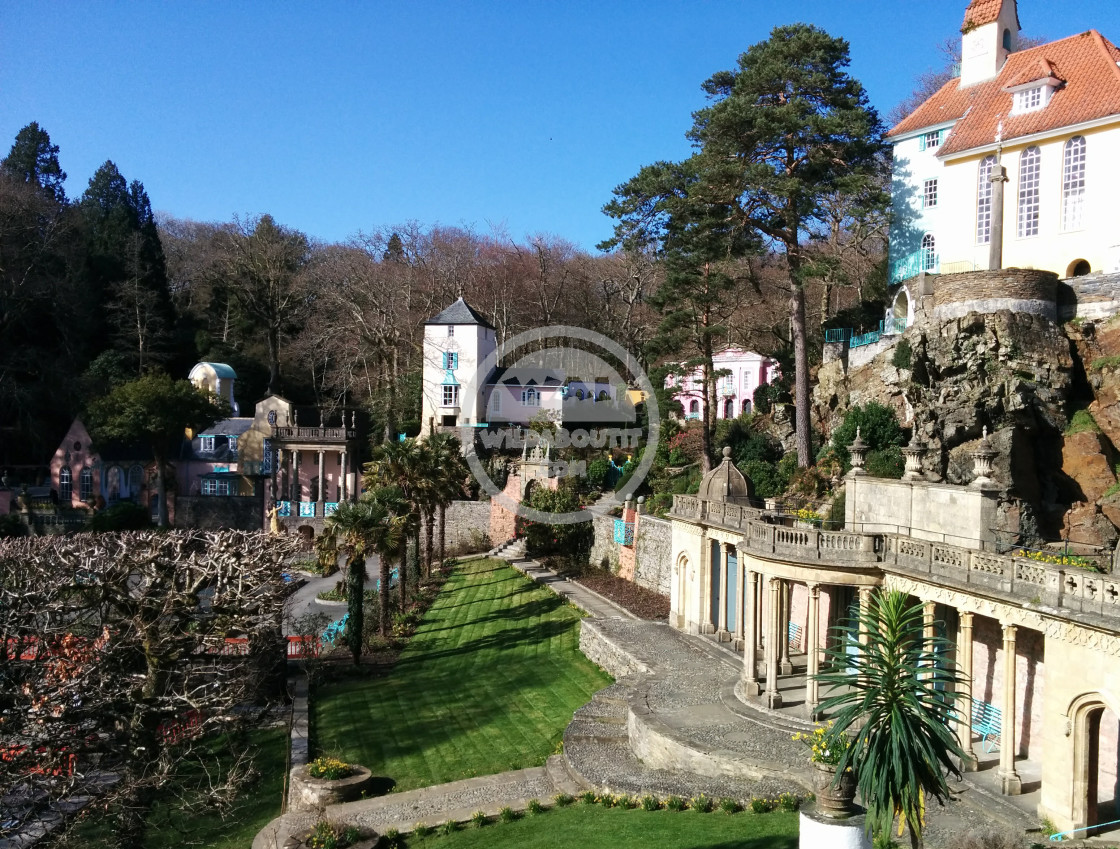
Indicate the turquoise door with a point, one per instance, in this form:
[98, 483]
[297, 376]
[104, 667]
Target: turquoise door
[717, 579]
[732, 591]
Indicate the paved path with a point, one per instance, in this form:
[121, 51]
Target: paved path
[682, 688]
[303, 602]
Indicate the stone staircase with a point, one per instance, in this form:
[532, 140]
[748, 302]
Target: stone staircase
[513, 549]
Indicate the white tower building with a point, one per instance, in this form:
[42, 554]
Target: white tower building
[456, 342]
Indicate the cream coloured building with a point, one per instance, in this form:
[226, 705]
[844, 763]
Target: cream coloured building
[1050, 117]
[1038, 644]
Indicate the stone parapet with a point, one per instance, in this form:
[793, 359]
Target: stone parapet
[1018, 289]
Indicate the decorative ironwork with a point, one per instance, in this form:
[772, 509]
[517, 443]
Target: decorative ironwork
[284, 508]
[623, 532]
[307, 509]
[329, 508]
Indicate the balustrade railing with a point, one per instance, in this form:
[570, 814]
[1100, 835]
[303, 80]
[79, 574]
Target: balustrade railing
[1063, 587]
[313, 434]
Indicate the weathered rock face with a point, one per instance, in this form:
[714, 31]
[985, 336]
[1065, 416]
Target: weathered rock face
[1009, 371]
[1087, 461]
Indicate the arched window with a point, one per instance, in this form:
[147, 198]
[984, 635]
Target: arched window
[1007, 40]
[65, 486]
[694, 408]
[746, 408]
[1028, 192]
[984, 201]
[1073, 183]
[530, 398]
[113, 483]
[729, 409]
[929, 253]
[85, 485]
[135, 480]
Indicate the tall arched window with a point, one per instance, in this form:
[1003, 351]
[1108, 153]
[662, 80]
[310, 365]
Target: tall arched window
[1073, 183]
[1028, 192]
[984, 201]
[929, 252]
[65, 486]
[135, 480]
[85, 485]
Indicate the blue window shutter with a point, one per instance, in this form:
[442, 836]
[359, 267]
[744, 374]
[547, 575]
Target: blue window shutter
[944, 135]
[922, 142]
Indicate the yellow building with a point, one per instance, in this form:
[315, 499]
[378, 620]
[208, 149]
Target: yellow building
[1050, 117]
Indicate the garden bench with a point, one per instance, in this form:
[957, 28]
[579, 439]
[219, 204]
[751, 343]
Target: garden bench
[987, 721]
[794, 635]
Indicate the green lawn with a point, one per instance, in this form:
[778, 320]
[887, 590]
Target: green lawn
[487, 684]
[170, 828]
[582, 826]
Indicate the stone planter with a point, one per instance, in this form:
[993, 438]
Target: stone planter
[315, 794]
[835, 802]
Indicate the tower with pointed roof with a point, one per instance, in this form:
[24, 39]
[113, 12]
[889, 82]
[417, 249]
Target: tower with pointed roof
[989, 35]
[457, 343]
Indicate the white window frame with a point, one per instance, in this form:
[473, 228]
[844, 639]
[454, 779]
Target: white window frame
[85, 484]
[450, 397]
[65, 486]
[214, 486]
[496, 400]
[984, 201]
[233, 446]
[1073, 184]
[450, 330]
[928, 254]
[1028, 207]
[1030, 100]
[929, 194]
[206, 445]
[530, 397]
[450, 360]
[931, 139]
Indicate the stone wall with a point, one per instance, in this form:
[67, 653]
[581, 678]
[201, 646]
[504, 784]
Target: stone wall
[939, 512]
[214, 512]
[654, 551]
[503, 522]
[463, 518]
[1094, 296]
[600, 649]
[604, 551]
[1018, 289]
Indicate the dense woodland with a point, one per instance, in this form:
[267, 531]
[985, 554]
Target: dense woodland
[98, 289]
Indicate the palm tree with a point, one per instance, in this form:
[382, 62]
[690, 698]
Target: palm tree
[447, 460]
[901, 695]
[392, 502]
[361, 527]
[401, 464]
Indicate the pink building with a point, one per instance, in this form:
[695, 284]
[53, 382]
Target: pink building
[742, 371]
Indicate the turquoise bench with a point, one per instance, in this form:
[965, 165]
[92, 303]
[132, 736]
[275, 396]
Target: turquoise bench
[987, 721]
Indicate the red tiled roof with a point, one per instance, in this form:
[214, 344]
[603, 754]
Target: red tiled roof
[1086, 64]
[982, 12]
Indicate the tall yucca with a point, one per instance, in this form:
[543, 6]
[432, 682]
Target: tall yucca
[898, 694]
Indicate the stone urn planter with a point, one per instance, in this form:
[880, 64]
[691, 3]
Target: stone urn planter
[836, 802]
[315, 794]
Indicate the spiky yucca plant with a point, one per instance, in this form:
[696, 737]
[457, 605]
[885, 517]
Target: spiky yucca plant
[899, 695]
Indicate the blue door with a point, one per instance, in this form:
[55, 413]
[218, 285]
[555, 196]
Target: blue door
[716, 573]
[732, 591]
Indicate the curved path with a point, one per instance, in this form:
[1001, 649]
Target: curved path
[670, 725]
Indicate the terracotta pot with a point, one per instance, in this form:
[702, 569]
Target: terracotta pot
[836, 802]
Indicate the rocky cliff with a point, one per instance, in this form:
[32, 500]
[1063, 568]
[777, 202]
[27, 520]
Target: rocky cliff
[1049, 395]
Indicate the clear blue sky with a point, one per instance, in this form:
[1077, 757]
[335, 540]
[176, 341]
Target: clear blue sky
[338, 117]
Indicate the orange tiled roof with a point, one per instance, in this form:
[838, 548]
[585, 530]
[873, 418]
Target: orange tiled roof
[1086, 64]
[982, 12]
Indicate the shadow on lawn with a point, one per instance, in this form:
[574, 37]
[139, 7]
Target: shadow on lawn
[505, 640]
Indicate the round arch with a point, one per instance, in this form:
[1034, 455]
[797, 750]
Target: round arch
[903, 306]
[1078, 268]
[1080, 715]
[680, 567]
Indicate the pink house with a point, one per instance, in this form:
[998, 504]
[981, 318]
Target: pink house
[740, 372]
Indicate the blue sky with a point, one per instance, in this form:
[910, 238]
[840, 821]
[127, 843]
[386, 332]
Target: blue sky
[338, 117]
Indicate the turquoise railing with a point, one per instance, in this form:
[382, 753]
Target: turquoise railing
[838, 334]
[913, 264]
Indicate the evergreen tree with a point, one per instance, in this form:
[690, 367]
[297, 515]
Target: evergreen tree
[33, 159]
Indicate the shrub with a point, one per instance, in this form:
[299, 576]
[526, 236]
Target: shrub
[650, 803]
[597, 472]
[1082, 421]
[449, 827]
[535, 807]
[330, 769]
[11, 526]
[607, 800]
[701, 804]
[789, 802]
[729, 806]
[887, 463]
[760, 805]
[479, 819]
[124, 516]
[507, 814]
[903, 355]
[562, 800]
[588, 797]
[627, 803]
[544, 538]
[421, 830]
[676, 803]
[877, 425]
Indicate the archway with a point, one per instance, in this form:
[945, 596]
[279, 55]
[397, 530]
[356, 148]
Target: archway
[682, 591]
[1078, 268]
[729, 409]
[902, 310]
[1096, 759]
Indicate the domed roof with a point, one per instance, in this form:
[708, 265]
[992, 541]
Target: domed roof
[725, 483]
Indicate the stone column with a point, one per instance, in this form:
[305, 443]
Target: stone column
[724, 557]
[345, 478]
[297, 491]
[706, 567]
[1010, 781]
[864, 605]
[929, 611]
[740, 593]
[321, 510]
[785, 665]
[995, 248]
[812, 651]
[750, 647]
[773, 641]
[964, 703]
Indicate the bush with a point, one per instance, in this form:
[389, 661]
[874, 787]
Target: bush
[729, 806]
[124, 516]
[675, 803]
[878, 428]
[903, 355]
[11, 526]
[789, 802]
[887, 463]
[535, 807]
[701, 804]
[760, 805]
[597, 472]
[588, 797]
[479, 819]
[507, 814]
[650, 803]
[542, 538]
[562, 800]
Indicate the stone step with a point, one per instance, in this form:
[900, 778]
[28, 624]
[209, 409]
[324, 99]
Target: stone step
[562, 778]
[614, 713]
[616, 694]
[594, 731]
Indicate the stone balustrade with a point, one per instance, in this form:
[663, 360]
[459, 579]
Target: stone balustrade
[313, 434]
[1027, 581]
